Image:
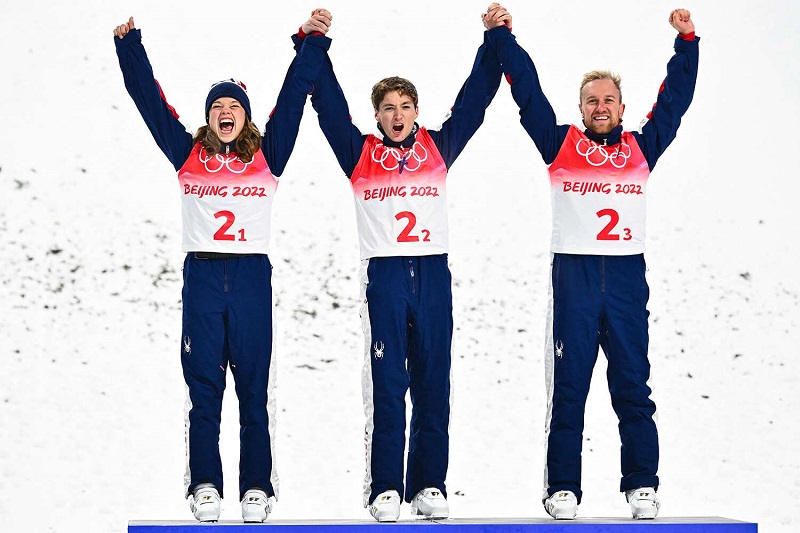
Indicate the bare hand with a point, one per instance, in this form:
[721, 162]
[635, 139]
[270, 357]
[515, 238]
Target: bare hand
[496, 15]
[681, 20]
[320, 21]
[123, 29]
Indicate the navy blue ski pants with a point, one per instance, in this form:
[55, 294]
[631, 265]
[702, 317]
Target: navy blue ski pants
[408, 329]
[599, 302]
[227, 320]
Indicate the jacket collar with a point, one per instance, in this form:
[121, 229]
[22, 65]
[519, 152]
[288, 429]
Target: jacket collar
[606, 139]
[408, 142]
[227, 148]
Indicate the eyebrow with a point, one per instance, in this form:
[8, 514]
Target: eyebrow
[401, 104]
[605, 97]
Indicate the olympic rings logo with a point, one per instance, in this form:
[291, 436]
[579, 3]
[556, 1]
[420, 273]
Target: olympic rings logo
[597, 155]
[218, 161]
[417, 154]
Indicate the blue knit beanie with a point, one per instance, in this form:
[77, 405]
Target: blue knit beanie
[232, 89]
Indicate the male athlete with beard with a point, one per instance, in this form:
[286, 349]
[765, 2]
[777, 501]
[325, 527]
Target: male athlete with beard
[598, 178]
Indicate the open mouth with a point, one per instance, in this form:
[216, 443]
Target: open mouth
[397, 128]
[226, 126]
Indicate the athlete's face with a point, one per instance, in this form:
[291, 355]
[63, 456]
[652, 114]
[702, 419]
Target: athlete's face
[396, 115]
[601, 106]
[226, 118]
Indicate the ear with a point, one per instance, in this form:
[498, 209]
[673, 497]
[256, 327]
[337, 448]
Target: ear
[416, 112]
[621, 110]
[376, 115]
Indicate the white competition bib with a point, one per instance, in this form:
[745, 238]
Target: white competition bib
[401, 199]
[227, 204]
[599, 196]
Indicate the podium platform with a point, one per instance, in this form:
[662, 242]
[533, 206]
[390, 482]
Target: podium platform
[459, 525]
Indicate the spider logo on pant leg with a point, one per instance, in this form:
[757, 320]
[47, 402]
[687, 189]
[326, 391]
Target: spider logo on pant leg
[378, 350]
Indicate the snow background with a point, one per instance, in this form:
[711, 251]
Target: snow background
[91, 392]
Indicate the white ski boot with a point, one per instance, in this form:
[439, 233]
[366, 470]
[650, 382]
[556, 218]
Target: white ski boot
[562, 505]
[644, 503]
[430, 503]
[204, 503]
[256, 506]
[386, 506]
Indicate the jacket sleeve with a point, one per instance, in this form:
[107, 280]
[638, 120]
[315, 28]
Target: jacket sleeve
[674, 96]
[334, 118]
[280, 133]
[469, 110]
[536, 113]
[160, 117]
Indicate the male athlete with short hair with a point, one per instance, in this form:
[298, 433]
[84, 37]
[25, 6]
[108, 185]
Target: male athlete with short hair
[598, 178]
[399, 183]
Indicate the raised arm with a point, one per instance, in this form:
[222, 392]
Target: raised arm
[536, 113]
[476, 94]
[160, 117]
[675, 93]
[334, 114]
[280, 133]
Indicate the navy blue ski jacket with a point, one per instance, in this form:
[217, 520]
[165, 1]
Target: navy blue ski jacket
[539, 120]
[465, 118]
[170, 134]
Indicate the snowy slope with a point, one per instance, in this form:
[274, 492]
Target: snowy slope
[91, 393]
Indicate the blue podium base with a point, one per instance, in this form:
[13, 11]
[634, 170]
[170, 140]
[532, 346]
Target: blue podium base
[460, 525]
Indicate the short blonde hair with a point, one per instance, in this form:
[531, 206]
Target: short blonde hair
[601, 75]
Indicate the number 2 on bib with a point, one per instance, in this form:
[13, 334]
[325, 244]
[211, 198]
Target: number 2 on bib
[405, 234]
[605, 234]
[222, 233]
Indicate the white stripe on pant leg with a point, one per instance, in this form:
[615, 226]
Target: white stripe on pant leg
[366, 381]
[272, 406]
[187, 406]
[549, 360]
